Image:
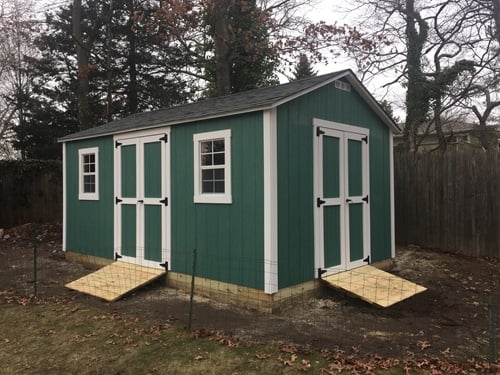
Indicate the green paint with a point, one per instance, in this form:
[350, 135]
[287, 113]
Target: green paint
[89, 227]
[331, 163]
[152, 233]
[355, 168]
[229, 238]
[128, 171]
[152, 170]
[295, 177]
[355, 231]
[332, 235]
[129, 240]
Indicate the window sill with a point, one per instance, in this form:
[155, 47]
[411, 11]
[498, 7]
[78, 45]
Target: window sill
[213, 198]
[88, 197]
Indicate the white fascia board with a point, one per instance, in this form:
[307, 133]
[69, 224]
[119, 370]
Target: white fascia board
[65, 197]
[374, 105]
[270, 201]
[310, 89]
[392, 202]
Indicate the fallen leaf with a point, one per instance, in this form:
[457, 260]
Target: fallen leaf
[305, 365]
[198, 358]
[423, 345]
[262, 355]
[446, 351]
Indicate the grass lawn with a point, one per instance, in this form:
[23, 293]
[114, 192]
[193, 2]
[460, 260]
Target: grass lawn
[66, 338]
[63, 337]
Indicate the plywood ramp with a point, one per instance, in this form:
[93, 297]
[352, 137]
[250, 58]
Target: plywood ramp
[115, 280]
[374, 285]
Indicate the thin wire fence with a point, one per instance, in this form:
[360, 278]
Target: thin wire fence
[455, 318]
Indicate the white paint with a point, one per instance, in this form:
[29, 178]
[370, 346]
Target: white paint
[139, 139]
[270, 201]
[65, 198]
[82, 195]
[393, 220]
[343, 133]
[219, 198]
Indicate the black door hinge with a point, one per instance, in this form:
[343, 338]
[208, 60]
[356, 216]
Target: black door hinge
[164, 138]
[365, 199]
[164, 265]
[320, 272]
[117, 144]
[367, 259]
[365, 139]
[319, 202]
[118, 200]
[117, 256]
[164, 201]
[319, 131]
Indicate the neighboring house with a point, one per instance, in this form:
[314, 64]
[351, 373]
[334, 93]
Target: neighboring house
[457, 134]
[273, 187]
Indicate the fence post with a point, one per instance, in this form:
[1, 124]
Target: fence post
[35, 281]
[192, 292]
[491, 318]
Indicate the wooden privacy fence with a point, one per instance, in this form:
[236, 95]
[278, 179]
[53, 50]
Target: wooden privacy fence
[449, 201]
[30, 191]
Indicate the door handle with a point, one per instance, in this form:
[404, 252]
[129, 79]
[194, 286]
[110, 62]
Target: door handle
[348, 200]
[140, 201]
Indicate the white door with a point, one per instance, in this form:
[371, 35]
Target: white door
[142, 215]
[342, 219]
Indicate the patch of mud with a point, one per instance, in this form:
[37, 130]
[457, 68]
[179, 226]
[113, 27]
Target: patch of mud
[449, 320]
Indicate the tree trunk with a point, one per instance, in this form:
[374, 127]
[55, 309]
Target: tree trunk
[132, 101]
[109, 36]
[82, 57]
[496, 17]
[222, 50]
[416, 100]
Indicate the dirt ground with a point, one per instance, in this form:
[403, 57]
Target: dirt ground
[448, 321]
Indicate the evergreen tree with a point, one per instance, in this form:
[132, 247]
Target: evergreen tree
[303, 69]
[139, 74]
[249, 59]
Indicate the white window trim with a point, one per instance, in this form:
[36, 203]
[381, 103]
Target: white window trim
[81, 194]
[220, 198]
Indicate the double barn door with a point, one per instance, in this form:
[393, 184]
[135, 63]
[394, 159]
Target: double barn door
[342, 197]
[141, 199]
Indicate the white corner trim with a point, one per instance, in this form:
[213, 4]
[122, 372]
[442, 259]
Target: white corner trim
[65, 197]
[391, 173]
[270, 201]
[221, 198]
[81, 194]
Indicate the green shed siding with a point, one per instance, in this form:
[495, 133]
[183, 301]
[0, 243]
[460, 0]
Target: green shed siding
[89, 223]
[295, 177]
[228, 237]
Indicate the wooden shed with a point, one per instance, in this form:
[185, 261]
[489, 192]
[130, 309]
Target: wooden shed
[274, 188]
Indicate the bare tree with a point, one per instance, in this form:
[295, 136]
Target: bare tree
[435, 49]
[16, 29]
[82, 58]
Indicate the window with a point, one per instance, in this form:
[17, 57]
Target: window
[88, 174]
[212, 167]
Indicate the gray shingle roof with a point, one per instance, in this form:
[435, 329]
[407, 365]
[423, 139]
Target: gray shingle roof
[231, 104]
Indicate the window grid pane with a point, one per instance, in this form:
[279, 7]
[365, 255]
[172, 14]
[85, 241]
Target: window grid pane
[212, 155]
[89, 175]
